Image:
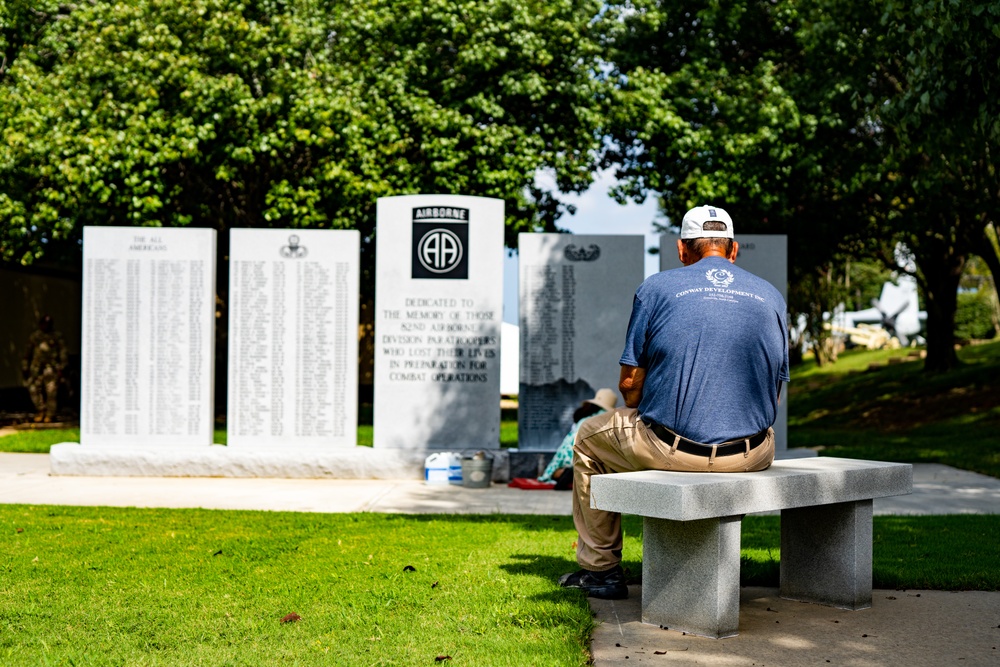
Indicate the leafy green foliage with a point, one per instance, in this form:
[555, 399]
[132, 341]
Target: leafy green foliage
[974, 318]
[289, 113]
[949, 68]
[21, 22]
[700, 112]
[752, 107]
[817, 292]
[931, 101]
[849, 126]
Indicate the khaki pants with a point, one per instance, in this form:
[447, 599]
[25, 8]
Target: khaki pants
[619, 441]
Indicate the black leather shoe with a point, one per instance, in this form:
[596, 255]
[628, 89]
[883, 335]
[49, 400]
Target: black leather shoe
[606, 585]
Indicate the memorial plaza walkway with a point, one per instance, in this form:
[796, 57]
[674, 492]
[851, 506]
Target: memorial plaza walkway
[912, 628]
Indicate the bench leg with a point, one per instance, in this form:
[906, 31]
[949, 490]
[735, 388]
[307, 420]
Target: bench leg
[691, 575]
[826, 554]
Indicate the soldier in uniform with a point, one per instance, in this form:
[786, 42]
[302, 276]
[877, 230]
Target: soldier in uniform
[43, 367]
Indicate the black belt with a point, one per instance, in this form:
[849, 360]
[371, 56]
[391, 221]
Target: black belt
[700, 449]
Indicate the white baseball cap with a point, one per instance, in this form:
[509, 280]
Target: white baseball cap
[706, 222]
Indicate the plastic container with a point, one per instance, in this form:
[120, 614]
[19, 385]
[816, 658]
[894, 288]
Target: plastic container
[443, 468]
[477, 471]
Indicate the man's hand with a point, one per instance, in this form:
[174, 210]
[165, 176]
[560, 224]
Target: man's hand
[630, 385]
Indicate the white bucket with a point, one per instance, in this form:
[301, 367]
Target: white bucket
[443, 468]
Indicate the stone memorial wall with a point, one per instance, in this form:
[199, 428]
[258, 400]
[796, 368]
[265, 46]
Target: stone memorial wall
[764, 255]
[575, 298]
[147, 357]
[293, 337]
[439, 306]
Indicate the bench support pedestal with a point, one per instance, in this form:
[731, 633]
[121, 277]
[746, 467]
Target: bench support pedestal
[691, 575]
[826, 554]
[691, 569]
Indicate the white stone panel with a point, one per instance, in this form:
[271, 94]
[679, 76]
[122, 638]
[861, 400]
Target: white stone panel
[293, 338]
[439, 306]
[148, 336]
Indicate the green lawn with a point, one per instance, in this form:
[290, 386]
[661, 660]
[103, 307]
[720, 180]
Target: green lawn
[896, 412]
[111, 586]
[38, 441]
[101, 586]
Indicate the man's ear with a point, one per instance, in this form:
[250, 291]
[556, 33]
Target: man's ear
[681, 252]
[735, 251]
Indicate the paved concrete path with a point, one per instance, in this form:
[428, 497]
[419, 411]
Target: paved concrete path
[24, 478]
[912, 628]
[903, 628]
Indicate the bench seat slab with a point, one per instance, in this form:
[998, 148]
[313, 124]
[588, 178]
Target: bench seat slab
[691, 575]
[687, 496]
[826, 554]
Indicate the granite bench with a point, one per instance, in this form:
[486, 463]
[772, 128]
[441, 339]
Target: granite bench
[691, 534]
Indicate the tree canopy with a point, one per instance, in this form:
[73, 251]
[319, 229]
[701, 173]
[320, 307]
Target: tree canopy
[938, 119]
[852, 127]
[286, 113]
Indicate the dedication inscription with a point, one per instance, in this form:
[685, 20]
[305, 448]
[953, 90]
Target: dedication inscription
[293, 337]
[147, 352]
[575, 297]
[438, 300]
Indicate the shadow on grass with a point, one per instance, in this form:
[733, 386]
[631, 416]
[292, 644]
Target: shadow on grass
[955, 552]
[900, 413]
[552, 567]
[759, 562]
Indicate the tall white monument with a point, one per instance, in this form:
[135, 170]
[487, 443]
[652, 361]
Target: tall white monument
[148, 336]
[293, 337]
[439, 306]
[764, 255]
[575, 298]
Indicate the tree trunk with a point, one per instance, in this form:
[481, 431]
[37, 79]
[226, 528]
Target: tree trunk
[941, 268]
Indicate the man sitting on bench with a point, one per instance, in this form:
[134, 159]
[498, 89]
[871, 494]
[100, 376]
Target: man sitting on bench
[705, 355]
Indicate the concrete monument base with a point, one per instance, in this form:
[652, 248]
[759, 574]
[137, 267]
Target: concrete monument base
[70, 458]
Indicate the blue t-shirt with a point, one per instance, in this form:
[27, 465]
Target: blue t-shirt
[714, 343]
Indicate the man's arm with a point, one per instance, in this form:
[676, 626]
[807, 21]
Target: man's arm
[630, 384]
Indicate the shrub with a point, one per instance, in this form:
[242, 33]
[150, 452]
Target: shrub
[974, 316]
